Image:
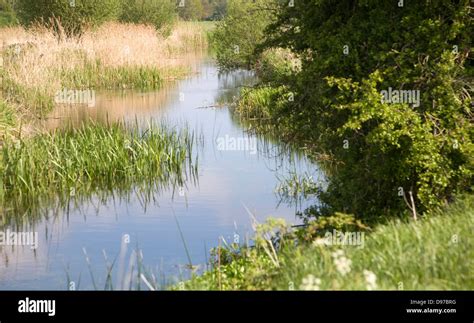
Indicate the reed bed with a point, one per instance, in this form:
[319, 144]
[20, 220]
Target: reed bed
[76, 162]
[36, 63]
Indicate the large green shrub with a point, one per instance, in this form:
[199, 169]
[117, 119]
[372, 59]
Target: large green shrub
[72, 15]
[159, 13]
[237, 35]
[382, 150]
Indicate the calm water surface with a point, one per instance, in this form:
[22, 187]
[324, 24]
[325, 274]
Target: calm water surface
[231, 183]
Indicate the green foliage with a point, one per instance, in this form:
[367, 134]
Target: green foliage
[255, 103]
[7, 15]
[214, 9]
[377, 149]
[96, 75]
[276, 65]
[89, 159]
[8, 120]
[236, 36]
[315, 228]
[190, 9]
[71, 15]
[159, 13]
[433, 253]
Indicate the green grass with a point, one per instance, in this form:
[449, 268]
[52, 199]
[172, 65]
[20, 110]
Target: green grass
[434, 253]
[97, 76]
[7, 19]
[65, 165]
[35, 100]
[7, 119]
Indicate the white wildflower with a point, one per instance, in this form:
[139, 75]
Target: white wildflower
[310, 283]
[338, 253]
[343, 264]
[370, 279]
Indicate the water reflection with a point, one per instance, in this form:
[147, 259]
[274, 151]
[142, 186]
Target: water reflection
[230, 181]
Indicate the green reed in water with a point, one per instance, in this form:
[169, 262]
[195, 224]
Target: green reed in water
[73, 163]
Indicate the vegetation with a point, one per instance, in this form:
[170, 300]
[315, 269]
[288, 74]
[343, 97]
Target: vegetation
[115, 56]
[379, 152]
[66, 15]
[434, 253]
[378, 93]
[159, 13]
[7, 120]
[78, 162]
[214, 9]
[7, 14]
[388, 115]
[42, 169]
[236, 36]
[190, 9]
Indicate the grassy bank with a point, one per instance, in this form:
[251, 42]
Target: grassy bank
[434, 253]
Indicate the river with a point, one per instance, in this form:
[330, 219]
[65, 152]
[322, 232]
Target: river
[238, 175]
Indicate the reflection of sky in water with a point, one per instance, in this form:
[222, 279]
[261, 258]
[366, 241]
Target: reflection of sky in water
[229, 182]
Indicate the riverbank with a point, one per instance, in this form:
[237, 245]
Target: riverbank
[41, 71]
[36, 65]
[434, 253]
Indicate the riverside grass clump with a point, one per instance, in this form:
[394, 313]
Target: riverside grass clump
[77, 162]
[434, 253]
[36, 65]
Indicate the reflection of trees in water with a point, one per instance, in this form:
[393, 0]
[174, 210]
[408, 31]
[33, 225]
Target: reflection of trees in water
[285, 158]
[299, 178]
[230, 84]
[112, 106]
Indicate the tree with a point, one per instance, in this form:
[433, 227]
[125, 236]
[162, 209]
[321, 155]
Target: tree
[159, 13]
[385, 149]
[70, 15]
[190, 9]
[236, 36]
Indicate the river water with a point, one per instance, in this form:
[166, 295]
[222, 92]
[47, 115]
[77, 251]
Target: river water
[234, 182]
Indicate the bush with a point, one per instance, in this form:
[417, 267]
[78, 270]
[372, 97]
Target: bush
[70, 15]
[276, 65]
[382, 151]
[159, 13]
[190, 9]
[235, 37]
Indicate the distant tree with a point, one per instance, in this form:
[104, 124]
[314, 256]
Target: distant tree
[68, 15]
[7, 15]
[190, 9]
[214, 9]
[159, 13]
[237, 35]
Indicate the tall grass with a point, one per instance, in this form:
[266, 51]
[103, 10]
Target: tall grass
[36, 64]
[65, 165]
[7, 120]
[435, 252]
